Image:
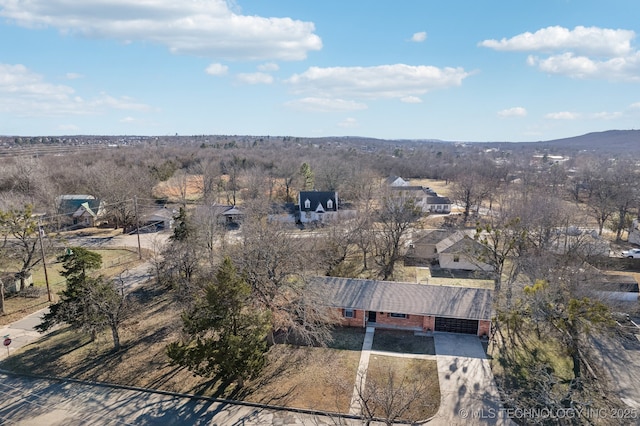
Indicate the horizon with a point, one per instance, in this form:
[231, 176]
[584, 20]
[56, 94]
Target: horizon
[313, 137]
[453, 72]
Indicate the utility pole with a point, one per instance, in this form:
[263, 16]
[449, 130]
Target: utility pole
[44, 261]
[135, 209]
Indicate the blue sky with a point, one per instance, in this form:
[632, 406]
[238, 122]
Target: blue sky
[412, 69]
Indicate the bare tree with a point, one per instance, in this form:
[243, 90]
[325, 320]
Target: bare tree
[385, 394]
[276, 266]
[394, 220]
[20, 231]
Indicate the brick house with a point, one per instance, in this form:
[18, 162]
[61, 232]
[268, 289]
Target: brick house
[419, 307]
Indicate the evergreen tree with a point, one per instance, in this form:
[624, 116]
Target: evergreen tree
[307, 177]
[89, 303]
[183, 228]
[73, 307]
[227, 336]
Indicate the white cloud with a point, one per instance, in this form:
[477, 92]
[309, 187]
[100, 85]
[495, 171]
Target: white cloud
[348, 123]
[208, 28]
[586, 40]
[73, 76]
[325, 104]
[384, 81]
[24, 93]
[512, 112]
[419, 37]
[217, 69]
[605, 115]
[584, 52]
[635, 105]
[268, 67]
[255, 78]
[622, 68]
[563, 115]
[411, 100]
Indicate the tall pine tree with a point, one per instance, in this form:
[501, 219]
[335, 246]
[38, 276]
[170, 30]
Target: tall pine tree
[227, 335]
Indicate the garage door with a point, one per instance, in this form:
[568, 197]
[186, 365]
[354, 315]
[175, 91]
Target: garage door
[454, 325]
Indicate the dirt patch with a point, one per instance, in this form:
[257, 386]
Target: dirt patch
[403, 342]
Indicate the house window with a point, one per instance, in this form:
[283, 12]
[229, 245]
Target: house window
[348, 313]
[307, 204]
[435, 249]
[456, 258]
[330, 204]
[396, 315]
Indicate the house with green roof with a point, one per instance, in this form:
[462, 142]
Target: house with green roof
[80, 210]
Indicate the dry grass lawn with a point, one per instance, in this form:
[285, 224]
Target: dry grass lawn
[295, 376]
[114, 262]
[302, 377]
[415, 382]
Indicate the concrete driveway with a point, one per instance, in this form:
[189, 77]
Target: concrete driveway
[621, 359]
[468, 394]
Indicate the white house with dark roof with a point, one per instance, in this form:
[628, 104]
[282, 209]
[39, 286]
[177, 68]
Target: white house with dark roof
[438, 204]
[317, 206]
[426, 199]
[418, 307]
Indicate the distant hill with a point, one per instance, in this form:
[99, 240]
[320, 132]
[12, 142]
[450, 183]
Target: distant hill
[610, 141]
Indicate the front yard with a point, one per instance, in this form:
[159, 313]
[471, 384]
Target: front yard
[302, 377]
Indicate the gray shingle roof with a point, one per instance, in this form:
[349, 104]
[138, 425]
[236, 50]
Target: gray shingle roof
[406, 298]
[438, 200]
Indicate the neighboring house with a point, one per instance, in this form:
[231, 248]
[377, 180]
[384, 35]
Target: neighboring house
[437, 204]
[418, 307]
[422, 249]
[317, 206]
[159, 220]
[12, 283]
[460, 251]
[396, 181]
[619, 291]
[227, 215]
[583, 242]
[634, 233]
[80, 210]
[426, 199]
[283, 213]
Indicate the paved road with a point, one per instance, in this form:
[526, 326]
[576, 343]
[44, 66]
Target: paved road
[27, 401]
[21, 332]
[151, 240]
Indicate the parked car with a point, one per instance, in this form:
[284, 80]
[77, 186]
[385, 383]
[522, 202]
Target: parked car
[632, 254]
